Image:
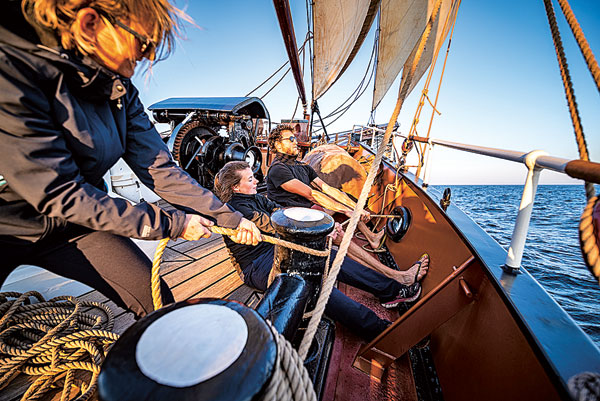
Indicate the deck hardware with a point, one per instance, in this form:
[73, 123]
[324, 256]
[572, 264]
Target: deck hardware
[445, 201]
[464, 285]
[430, 312]
[517, 242]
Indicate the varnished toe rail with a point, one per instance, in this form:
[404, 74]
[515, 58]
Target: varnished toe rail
[458, 290]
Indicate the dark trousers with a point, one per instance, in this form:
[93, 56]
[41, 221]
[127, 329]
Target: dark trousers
[109, 263]
[358, 318]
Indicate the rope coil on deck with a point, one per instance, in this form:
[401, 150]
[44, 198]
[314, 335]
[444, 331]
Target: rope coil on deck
[55, 340]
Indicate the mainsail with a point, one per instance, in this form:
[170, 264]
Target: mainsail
[340, 27]
[402, 23]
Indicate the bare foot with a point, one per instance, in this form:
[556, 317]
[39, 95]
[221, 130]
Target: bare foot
[418, 271]
[375, 239]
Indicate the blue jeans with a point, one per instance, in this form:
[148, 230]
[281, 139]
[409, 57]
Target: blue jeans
[358, 318]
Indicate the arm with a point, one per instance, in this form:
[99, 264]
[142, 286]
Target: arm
[39, 166]
[151, 161]
[334, 193]
[259, 213]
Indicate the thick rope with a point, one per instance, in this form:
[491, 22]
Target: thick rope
[587, 237]
[155, 274]
[49, 338]
[360, 204]
[290, 380]
[581, 41]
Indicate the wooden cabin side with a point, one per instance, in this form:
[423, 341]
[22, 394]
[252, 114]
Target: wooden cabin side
[479, 349]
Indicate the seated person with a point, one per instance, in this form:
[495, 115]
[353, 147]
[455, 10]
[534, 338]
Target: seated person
[236, 185]
[288, 182]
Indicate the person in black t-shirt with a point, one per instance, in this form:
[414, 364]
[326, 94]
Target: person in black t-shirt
[289, 181]
[236, 185]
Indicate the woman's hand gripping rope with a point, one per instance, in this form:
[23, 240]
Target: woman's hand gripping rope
[244, 233]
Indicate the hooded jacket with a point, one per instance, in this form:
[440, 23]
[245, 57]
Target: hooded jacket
[64, 121]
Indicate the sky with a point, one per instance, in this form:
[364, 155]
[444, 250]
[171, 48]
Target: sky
[501, 85]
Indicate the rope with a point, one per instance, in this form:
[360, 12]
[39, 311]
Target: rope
[54, 340]
[343, 248]
[581, 41]
[290, 380]
[587, 241]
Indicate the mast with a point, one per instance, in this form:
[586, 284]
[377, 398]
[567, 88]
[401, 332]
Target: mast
[282, 7]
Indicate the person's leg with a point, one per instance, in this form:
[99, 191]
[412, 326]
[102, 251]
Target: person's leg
[361, 277]
[111, 264]
[405, 277]
[257, 274]
[374, 239]
[361, 320]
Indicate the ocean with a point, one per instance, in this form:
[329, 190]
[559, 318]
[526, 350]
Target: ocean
[552, 253]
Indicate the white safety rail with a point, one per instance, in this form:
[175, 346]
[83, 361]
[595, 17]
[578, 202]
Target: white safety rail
[535, 161]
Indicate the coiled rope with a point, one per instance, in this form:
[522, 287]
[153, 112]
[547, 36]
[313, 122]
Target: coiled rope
[55, 340]
[587, 236]
[343, 248]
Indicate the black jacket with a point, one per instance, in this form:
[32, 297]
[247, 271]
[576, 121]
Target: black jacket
[257, 209]
[64, 121]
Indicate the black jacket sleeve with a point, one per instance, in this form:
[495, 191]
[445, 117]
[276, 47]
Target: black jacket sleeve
[38, 165]
[150, 159]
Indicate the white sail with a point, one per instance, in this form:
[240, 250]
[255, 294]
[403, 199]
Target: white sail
[401, 25]
[339, 29]
[437, 36]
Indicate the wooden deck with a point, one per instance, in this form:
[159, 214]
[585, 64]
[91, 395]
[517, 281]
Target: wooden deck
[192, 269]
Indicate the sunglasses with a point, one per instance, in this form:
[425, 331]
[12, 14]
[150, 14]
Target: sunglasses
[147, 45]
[291, 139]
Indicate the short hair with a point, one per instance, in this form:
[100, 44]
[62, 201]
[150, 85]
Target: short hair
[275, 135]
[227, 178]
[58, 15]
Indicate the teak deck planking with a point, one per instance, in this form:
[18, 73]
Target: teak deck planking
[192, 269]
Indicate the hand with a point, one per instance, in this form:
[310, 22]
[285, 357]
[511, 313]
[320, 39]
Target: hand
[248, 233]
[365, 216]
[196, 227]
[337, 233]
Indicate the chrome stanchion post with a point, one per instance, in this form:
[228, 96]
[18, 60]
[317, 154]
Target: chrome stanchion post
[517, 242]
[427, 165]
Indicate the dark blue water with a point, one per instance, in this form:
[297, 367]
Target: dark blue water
[552, 253]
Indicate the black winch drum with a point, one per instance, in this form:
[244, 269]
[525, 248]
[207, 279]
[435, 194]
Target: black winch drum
[307, 227]
[200, 349]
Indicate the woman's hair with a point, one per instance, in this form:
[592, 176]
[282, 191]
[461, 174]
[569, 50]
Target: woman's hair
[227, 178]
[163, 19]
[275, 135]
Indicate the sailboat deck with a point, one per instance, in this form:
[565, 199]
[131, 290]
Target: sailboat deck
[192, 269]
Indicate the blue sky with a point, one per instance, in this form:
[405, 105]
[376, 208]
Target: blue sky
[501, 88]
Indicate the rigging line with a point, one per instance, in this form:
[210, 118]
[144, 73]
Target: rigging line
[584, 46]
[341, 111]
[419, 109]
[309, 27]
[587, 234]
[275, 73]
[283, 76]
[377, 35]
[360, 85]
[303, 65]
[276, 83]
[437, 94]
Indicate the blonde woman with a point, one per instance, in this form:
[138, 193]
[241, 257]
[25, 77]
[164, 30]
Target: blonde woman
[69, 111]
